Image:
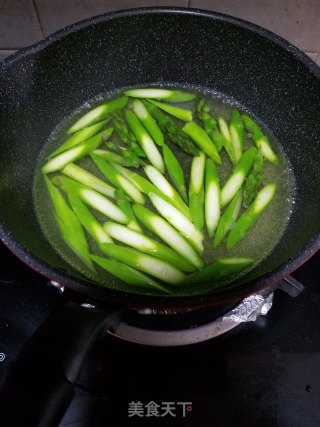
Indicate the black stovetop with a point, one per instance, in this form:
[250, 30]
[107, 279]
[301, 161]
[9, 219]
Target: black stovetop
[263, 373]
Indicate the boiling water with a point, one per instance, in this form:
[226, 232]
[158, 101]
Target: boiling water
[259, 241]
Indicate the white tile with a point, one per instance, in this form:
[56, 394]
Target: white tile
[60, 13]
[313, 55]
[296, 20]
[19, 25]
[5, 53]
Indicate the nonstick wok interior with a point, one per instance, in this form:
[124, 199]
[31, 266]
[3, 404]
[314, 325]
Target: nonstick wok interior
[41, 85]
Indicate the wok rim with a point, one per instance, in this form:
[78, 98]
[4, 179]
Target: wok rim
[100, 293]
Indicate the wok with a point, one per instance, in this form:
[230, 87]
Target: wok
[42, 84]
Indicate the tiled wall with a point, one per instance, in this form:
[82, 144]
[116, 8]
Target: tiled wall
[24, 22]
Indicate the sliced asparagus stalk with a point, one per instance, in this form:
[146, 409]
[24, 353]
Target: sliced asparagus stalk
[148, 264]
[125, 206]
[174, 133]
[118, 180]
[80, 136]
[204, 114]
[87, 220]
[263, 145]
[211, 197]
[251, 215]
[179, 113]
[219, 269]
[127, 274]
[236, 179]
[253, 181]
[201, 138]
[217, 138]
[146, 244]
[196, 190]
[131, 157]
[139, 181]
[98, 113]
[69, 225]
[227, 140]
[92, 198]
[175, 171]
[260, 139]
[145, 141]
[236, 133]
[126, 136]
[75, 153]
[228, 219]
[249, 124]
[110, 156]
[179, 221]
[86, 178]
[167, 94]
[166, 188]
[168, 234]
[148, 122]
[146, 187]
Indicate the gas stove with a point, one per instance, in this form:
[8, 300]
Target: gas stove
[256, 363]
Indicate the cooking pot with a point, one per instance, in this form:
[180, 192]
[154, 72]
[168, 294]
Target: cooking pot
[42, 84]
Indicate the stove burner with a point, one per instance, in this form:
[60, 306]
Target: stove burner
[150, 327]
[248, 310]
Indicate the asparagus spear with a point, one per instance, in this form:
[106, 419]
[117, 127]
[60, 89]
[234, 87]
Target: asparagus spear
[175, 171]
[88, 220]
[212, 197]
[179, 113]
[91, 198]
[117, 179]
[228, 219]
[176, 136]
[168, 234]
[260, 139]
[139, 181]
[86, 178]
[127, 274]
[98, 113]
[131, 157]
[179, 221]
[75, 153]
[69, 225]
[196, 190]
[227, 140]
[219, 269]
[217, 139]
[249, 124]
[251, 215]
[125, 206]
[148, 264]
[145, 141]
[236, 179]
[168, 95]
[126, 136]
[263, 145]
[148, 122]
[116, 158]
[201, 138]
[166, 188]
[147, 245]
[253, 180]
[80, 136]
[204, 114]
[236, 133]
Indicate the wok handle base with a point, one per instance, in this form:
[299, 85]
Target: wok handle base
[39, 384]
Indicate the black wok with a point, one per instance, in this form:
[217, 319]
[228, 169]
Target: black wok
[42, 84]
